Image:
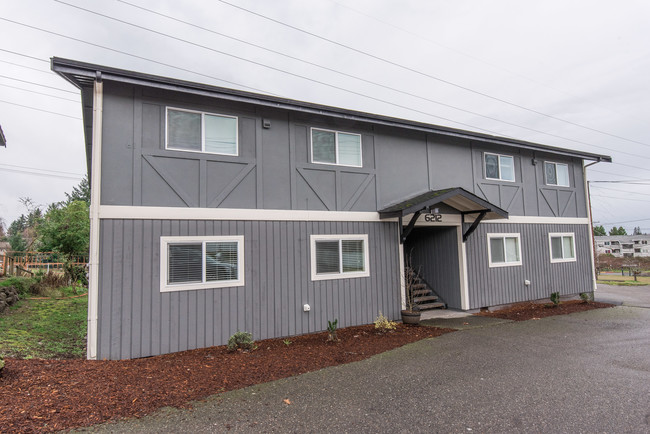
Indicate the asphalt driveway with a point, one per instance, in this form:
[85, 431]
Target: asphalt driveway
[586, 372]
[638, 296]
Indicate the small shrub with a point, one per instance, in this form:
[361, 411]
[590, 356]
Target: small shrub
[383, 324]
[287, 342]
[2, 365]
[76, 274]
[555, 298]
[241, 341]
[331, 330]
[587, 297]
[22, 284]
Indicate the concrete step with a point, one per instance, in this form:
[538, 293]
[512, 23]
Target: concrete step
[427, 306]
[420, 300]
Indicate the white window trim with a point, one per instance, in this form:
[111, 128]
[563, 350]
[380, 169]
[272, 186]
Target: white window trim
[552, 235]
[504, 236]
[166, 241]
[202, 113]
[514, 171]
[340, 275]
[557, 164]
[336, 147]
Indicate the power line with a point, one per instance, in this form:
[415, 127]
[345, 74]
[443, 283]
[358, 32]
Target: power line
[613, 174]
[40, 110]
[343, 74]
[623, 191]
[40, 93]
[36, 84]
[620, 198]
[356, 50]
[628, 221]
[274, 68]
[24, 55]
[639, 182]
[26, 67]
[130, 55]
[45, 170]
[41, 174]
[470, 56]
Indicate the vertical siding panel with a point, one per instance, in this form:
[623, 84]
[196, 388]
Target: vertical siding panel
[284, 274]
[146, 258]
[174, 305]
[305, 233]
[277, 282]
[137, 290]
[200, 305]
[255, 267]
[116, 292]
[156, 301]
[105, 289]
[291, 290]
[165, 327]
[246, 293]
[264, 279]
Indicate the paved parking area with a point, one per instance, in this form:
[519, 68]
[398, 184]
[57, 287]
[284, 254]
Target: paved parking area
[585, 372]
[637, 296]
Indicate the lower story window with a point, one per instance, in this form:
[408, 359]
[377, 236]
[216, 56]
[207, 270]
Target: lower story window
[562, 247]
[504, 250]
[201, 262]
[339, 256]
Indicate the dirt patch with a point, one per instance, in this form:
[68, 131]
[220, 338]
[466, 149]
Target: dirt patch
[49, 395]
[528, 310]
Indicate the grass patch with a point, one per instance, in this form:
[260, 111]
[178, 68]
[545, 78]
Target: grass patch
[48, 329]
[621, 283]
[612, 279]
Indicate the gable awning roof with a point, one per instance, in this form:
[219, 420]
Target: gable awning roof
[455, 197]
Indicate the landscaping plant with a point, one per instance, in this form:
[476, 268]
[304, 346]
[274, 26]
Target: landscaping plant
[331, 330]
[555, 298]
[383, 324]
[287, 342]
[587, 297]
[241, 341]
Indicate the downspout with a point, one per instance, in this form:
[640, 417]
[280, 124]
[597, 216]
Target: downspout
[95, 198]
[592, 242]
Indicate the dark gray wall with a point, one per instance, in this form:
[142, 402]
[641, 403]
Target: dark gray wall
[433, 252]
[273, 170]
[502, 285]
[137, 320]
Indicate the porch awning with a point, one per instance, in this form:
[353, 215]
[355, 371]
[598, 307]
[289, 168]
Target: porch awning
[457, 197]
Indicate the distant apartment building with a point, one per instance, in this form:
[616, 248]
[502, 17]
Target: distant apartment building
[627, 246]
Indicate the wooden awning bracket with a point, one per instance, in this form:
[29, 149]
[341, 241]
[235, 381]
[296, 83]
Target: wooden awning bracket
[404, 232]
[472, 228]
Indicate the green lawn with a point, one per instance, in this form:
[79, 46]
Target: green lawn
[617, 279]
[45, 329]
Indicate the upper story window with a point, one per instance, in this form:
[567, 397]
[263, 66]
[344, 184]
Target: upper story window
[335, 147]
[504, 250]
[562, 247]
[556, 174]
[607, 243]
[195, 131]
[201, 262]
[339, 256]
[501, 167]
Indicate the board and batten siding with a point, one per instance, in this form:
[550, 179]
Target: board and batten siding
[503, 285]
[137, 320]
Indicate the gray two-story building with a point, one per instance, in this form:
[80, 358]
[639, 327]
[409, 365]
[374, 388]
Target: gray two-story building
[216, 210]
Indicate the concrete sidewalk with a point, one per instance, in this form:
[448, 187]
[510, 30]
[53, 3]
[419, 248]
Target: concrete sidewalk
[585, 372]
[636, 296]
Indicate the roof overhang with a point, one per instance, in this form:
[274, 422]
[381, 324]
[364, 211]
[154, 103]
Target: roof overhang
[457, 198]
[83, 75]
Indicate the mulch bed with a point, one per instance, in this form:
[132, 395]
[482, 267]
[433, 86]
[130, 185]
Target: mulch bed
[49, 395]
[529, 310]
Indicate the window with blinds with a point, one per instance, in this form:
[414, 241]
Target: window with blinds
[195, 131]
[562, 246]
[201, 262]
[335, 147]
[504, 250]
[339, 256]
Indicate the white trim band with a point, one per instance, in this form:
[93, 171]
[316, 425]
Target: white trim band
[177, 213]
[537, 220]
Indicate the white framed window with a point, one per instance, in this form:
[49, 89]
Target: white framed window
[556, 174]
[339, 256]
[200, 262]
[501, 167]
[335, 147]
[196, 131]
[562, 246]
[504, 250]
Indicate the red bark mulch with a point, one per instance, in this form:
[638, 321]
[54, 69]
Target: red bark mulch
[49, 395]
[530, 310]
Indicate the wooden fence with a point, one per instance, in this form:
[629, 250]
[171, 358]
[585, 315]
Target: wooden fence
[27, 263]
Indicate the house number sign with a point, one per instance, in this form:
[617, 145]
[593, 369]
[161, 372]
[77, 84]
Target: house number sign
[433, 217]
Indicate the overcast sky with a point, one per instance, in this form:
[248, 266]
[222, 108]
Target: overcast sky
[573, 74]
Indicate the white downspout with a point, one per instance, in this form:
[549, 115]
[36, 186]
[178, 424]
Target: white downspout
[95, 190]
[591, 224]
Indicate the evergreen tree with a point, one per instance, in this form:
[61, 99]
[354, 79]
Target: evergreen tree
[599, 231]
